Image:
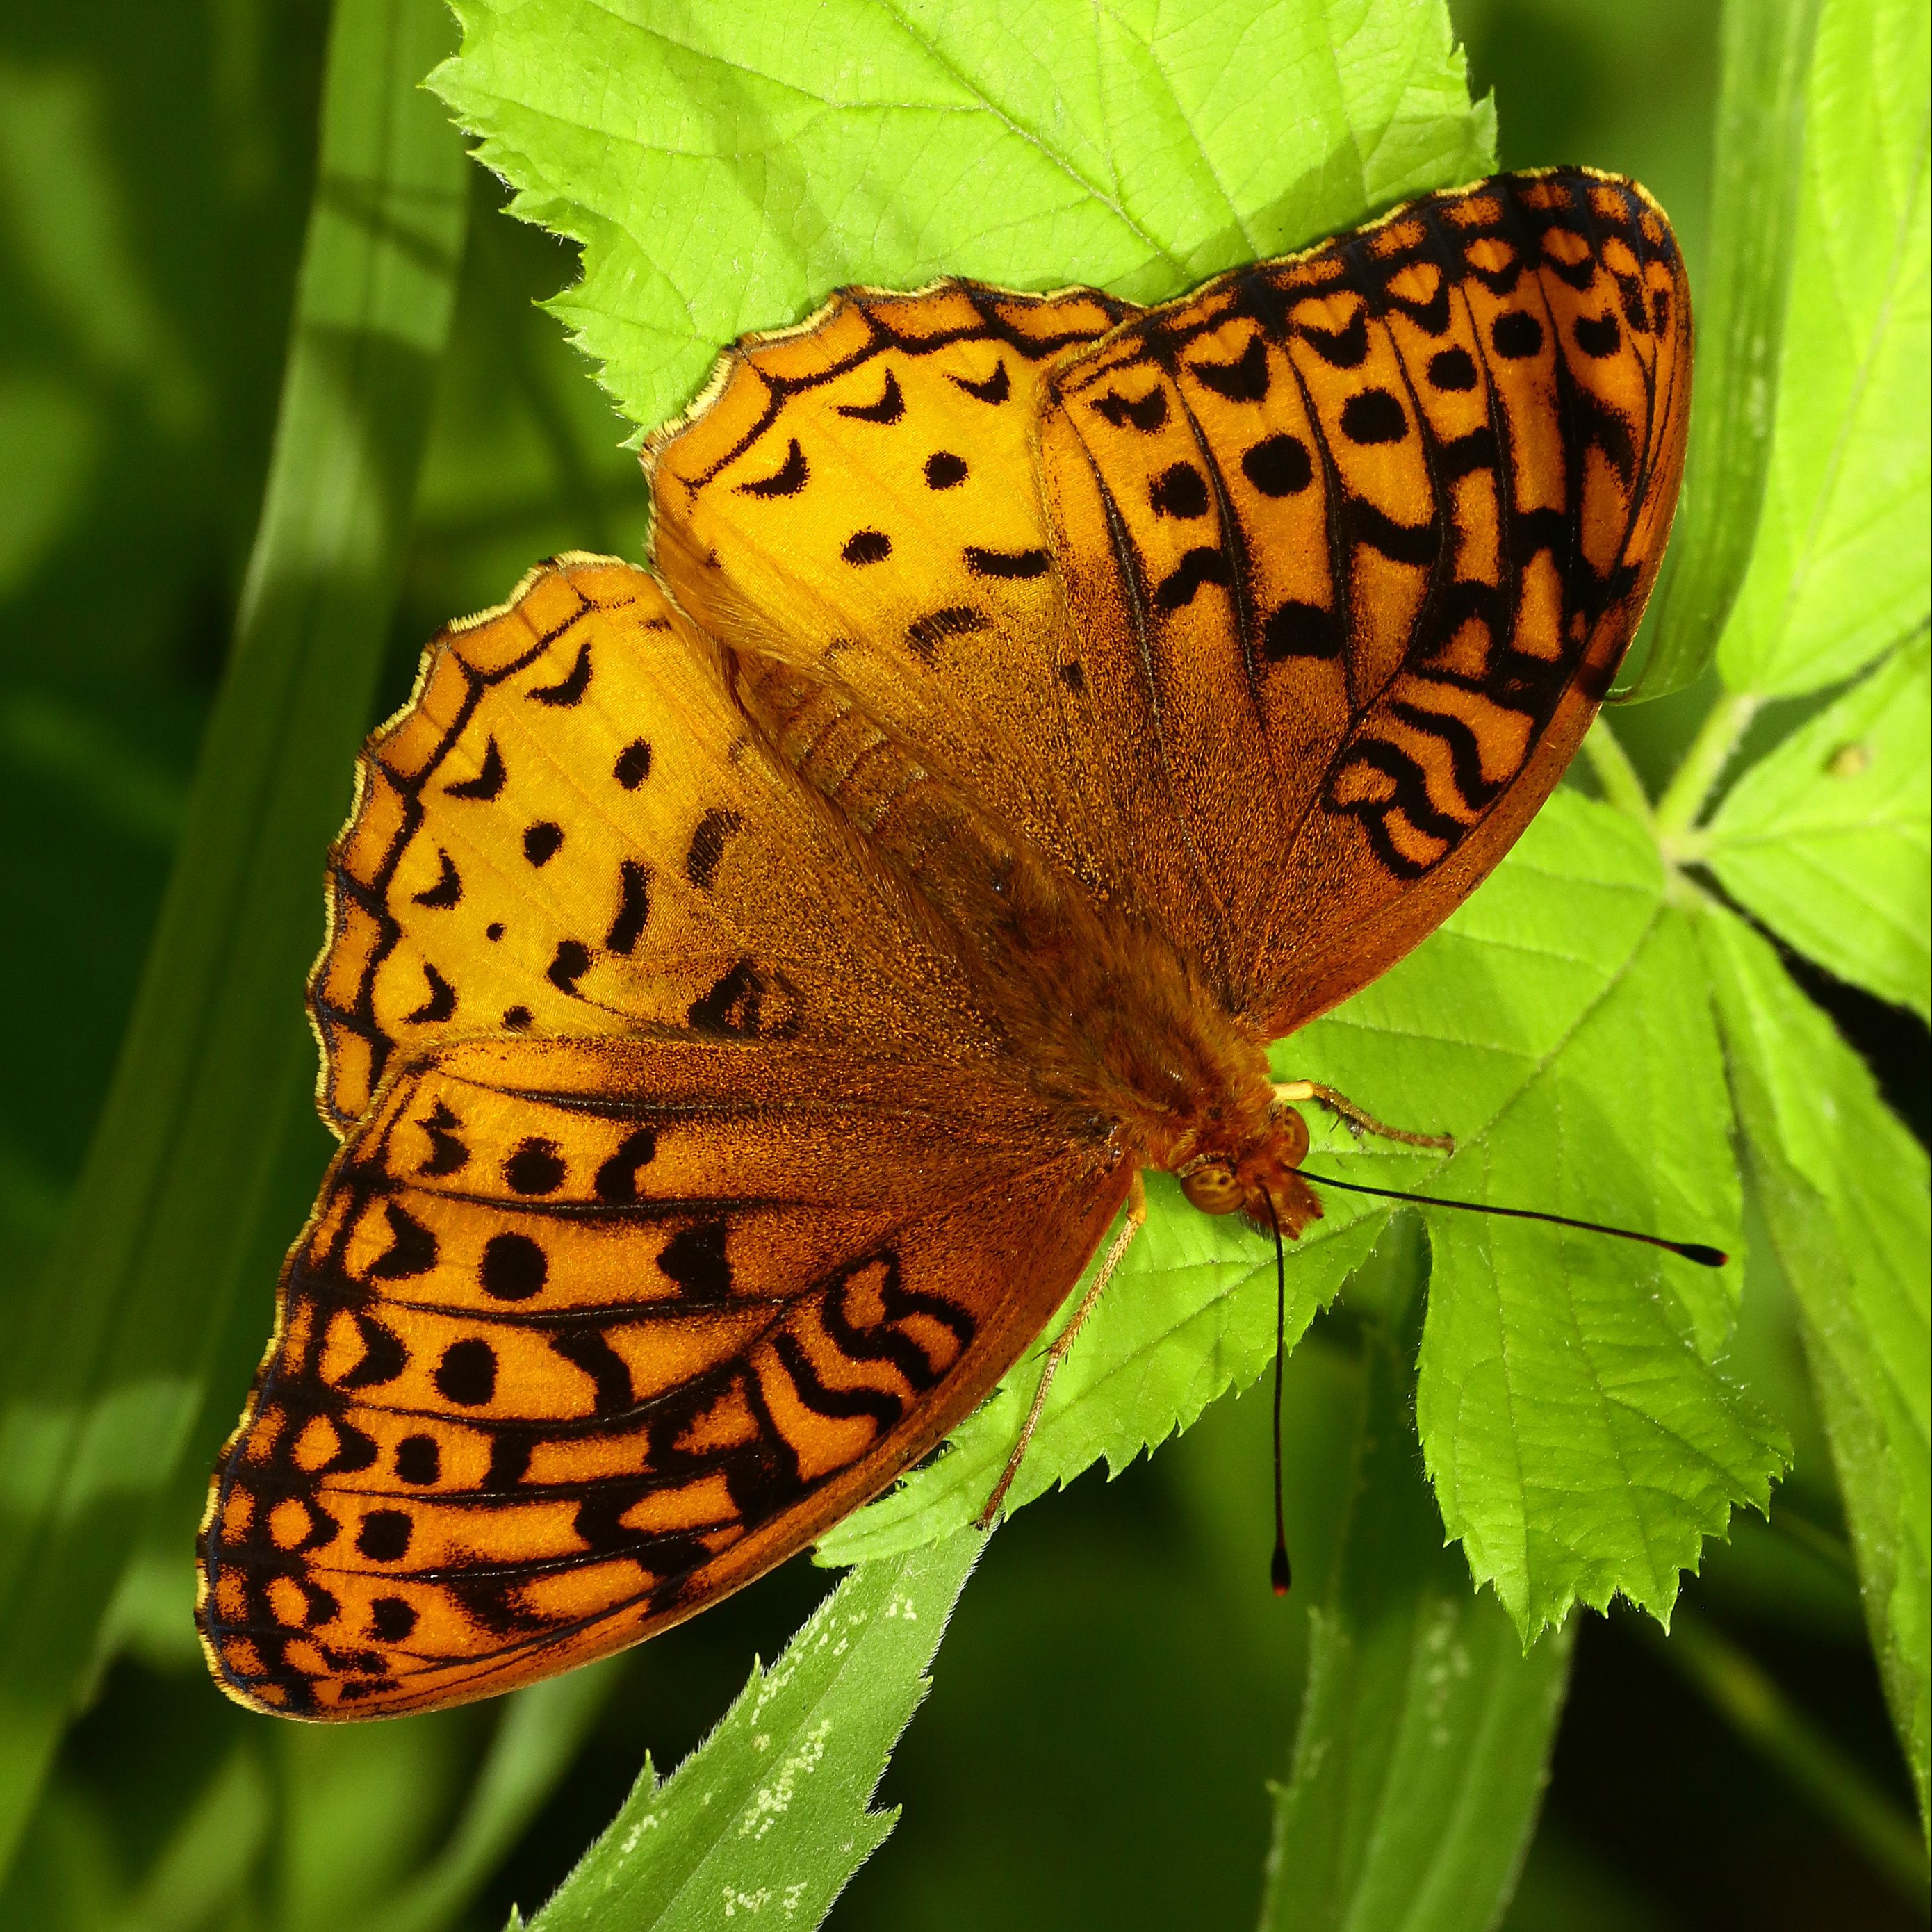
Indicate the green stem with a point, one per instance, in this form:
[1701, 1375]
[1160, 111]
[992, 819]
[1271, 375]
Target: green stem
[1684, 800]
[1614, 773]
[1754, 1706]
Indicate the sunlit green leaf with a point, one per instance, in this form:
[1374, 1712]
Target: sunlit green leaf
[1845, 1192]
[1841, 569]
[726, 168]
[771, 1815]
[1827, 840]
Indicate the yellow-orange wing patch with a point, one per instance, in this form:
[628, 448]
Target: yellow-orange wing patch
[1354, 543]
[859, 498]
[582, 1334]
[569, 830]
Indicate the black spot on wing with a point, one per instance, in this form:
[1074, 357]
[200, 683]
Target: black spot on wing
[487, 782]
[1598, 335]
[418, 1460]
[1199, 566]
[448, 890]
[1279, 466]
[587, 1350]
[1344, 348]
[383, 1357]
[867, 547]
[535, 1167]
[440, 1004]
[694, 1258]
[1298, 630]
[706, 850]
[889, 407]
[634, 764]
[993, 388]
[633, 907]
[924, 635]
[513, 1268]
[943, 469]
[467, 1372]
[1179, 490]
[448, 1153]
[617, 1180]
[569, 964]
[1452, 369]
[1009, 563]
[542, 842]
[569, 689]
[787, 481]
[1244, 380]
[1147, 414]
[1516, 334]
[1374, 415]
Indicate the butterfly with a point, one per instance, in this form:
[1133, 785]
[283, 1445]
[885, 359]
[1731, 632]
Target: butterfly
[754, 984]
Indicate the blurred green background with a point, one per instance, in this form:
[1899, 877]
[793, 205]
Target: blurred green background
[1118, 1685]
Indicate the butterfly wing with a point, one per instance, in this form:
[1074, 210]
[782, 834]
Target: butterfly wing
[859, 499]
[1355, 542]
[569, 830]
[583, 1334]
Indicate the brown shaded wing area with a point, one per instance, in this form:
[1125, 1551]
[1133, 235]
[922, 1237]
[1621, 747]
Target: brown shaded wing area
[582, 1335]
[570, 829]
[1355, 542]
[858, 499]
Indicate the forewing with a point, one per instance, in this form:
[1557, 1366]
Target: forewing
[582, 1335]
[859, 499]
[1355, 542]
[569, 829]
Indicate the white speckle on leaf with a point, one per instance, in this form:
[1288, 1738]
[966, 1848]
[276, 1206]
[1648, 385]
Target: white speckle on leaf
[793, 1894]
[736, 1901]
[648, 1823]
[763, 1741]
[773, 1800]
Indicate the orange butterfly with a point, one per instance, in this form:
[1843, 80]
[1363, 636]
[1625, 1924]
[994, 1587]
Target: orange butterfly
[753, 985]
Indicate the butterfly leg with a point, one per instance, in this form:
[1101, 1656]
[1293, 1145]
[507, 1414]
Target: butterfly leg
[1360, 1120]
[1136, 1218]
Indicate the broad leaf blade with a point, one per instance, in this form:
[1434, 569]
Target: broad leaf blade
[1740, 306]
[1843, 567]
[1425, 1737]
[726, 168]
[771, 1815]
[1845, 1192]
[1827, 841]
[105, 1369]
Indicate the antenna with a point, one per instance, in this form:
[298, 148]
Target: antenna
[1279, 1572]
[1704, 1255]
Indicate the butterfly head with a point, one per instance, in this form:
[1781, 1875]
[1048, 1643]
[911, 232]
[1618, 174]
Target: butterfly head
[1246, 1178]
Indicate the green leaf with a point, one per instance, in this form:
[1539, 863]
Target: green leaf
[1425, 1735]
[1827, 839]
[1841, 568]
[1558, 1026]
[1742, 295]
[105, 1370]
[726, 168]
[772, 1812]
[1845, 1191]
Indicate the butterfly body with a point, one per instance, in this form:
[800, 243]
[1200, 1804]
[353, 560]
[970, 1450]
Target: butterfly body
[754, 984]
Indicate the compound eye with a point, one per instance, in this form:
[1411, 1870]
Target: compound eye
[1293, 1130]
[1212, 1188]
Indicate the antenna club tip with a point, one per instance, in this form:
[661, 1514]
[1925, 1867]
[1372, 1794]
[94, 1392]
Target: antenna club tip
[1704, 1256]
[1278, 1574]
